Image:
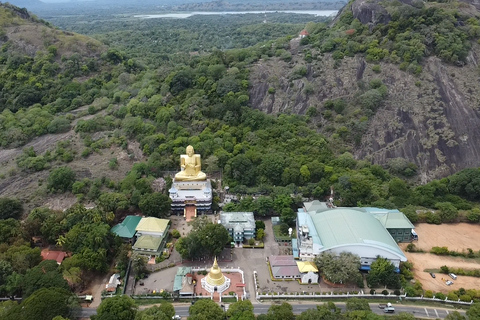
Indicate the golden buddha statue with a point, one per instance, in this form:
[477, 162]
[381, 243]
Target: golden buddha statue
[191, 167]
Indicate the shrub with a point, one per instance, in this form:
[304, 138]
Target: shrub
[474, 215]
[113, 164]
[428, 294]
[465, 298]
[396, 292]
[440, 296]
[441, 251]
[372, 291]
[175, 233]
[411, 247]
[61, 179]
[452, 296]
[445, 269]
[385, 292]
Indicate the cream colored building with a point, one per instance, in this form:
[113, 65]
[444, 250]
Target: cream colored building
[151, 236]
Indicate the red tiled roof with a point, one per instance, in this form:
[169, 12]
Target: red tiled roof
[54, 255]
[304, 32]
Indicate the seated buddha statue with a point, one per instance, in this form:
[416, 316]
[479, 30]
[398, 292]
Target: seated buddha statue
[191, 167]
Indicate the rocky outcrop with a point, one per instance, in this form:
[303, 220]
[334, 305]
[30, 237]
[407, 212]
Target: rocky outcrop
[370, 12]
[431, 119]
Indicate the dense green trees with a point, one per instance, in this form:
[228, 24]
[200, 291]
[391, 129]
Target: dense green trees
[44, 304]
[241, 310]
[205, 239]
[343, 268]
[10, 208]
[382, 272]
[61, 179]
[155, 205]
[205, 309]
[118, 308]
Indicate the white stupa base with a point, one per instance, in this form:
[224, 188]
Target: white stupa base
[220, 289]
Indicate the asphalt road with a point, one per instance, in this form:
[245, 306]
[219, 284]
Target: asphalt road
[417, 311]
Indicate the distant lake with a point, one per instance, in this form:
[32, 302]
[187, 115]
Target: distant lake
[323, 13]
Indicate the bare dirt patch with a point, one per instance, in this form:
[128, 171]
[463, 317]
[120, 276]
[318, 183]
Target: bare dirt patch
[459, 236]
[422, 261]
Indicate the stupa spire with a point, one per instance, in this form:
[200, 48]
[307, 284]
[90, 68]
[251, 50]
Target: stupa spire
[215, 277]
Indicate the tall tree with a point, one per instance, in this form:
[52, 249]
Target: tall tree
[45, 304]
[155, 205]
[343, 268]
[280, 312]
[382, 271]
[45, 275]
[116, 308]
[205, 309]
[241, 310]
[10, 208]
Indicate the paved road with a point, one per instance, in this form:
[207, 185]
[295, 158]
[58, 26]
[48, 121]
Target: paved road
[418, 311]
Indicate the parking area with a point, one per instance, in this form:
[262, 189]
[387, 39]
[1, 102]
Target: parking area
[249, 260]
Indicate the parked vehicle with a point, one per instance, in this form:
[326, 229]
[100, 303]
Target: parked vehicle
[432, 274]
[453, 276]
[449, 283]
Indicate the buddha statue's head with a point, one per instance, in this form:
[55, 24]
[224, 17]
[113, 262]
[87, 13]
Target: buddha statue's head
[190, 151]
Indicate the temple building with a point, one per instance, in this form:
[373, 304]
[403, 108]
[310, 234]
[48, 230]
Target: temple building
[240, 225]
[366, 232]
[151, 236]
[215, 281]
[191, 191]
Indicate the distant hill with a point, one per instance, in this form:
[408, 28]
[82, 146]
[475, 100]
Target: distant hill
[26, 3]
[382, 91]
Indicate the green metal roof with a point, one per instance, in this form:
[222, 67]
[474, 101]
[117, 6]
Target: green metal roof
[152, 224]
[181, 272]
[148, 243]
[126, 229]
[315, 205]
[394, 220]
[344, 226]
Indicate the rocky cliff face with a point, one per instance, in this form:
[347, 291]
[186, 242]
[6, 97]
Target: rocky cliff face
[432, 119]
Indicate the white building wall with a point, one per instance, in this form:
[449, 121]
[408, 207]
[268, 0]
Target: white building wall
[309, 276]
[367, 253]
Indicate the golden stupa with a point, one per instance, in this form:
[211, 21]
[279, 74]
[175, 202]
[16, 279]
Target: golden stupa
[215, 277]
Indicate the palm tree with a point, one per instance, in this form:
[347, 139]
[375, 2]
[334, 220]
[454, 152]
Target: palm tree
[61, 240]
[73, 276]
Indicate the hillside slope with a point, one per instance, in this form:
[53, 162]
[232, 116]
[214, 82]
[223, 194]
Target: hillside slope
[428, 111]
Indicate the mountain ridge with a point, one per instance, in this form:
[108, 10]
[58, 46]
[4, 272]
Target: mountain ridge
[421, 114]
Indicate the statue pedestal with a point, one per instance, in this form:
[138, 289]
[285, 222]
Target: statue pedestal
[198, 193]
